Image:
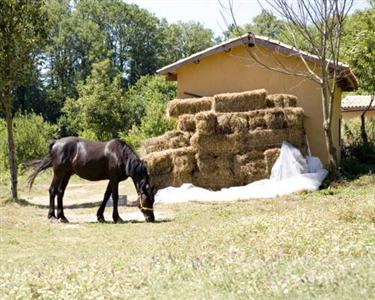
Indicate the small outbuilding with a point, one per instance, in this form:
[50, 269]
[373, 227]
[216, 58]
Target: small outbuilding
[248, 63]
[352, 107]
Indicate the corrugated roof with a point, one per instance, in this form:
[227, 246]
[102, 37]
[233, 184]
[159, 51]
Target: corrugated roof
[356, 102]
[347, 81]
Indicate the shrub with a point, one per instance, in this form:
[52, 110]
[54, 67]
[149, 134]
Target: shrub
[31, 135]
[149, 97]
[154, 123]
[357, 157]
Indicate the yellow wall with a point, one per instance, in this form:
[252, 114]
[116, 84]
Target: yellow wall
[236, 71]
[347, 115]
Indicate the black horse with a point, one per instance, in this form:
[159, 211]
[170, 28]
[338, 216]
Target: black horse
[113, 160]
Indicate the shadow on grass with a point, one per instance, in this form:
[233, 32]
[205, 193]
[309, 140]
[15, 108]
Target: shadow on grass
[131, 222]
[23, 202]
[125, 222]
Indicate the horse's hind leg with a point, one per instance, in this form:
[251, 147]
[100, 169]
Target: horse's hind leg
[60, 196]
[100, 213]
[52, 195]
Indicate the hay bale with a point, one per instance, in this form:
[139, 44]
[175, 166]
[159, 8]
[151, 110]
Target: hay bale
[208, 164]
[263, 139]
[162, 181]
[240, 102]
[236, 143]
[296, 137]
[251, 171]
[159, 163]
[294, 117]
[214, 181]
[178, 107]
[171, 167]
[228, 123]
[216, 144]
[205, 122]
[179, 141]
[281, 100]
[275, 118]
[270, 157]
[186, 123]
[256, 120]
[242, 159]
[183, 160]
[169, 140]
[246, 167]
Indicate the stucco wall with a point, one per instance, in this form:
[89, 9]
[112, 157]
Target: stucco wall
[347, 115]
[235, 71]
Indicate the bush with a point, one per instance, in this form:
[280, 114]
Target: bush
[31, 136]
[154, 123]
[149, 96]
[357, 157]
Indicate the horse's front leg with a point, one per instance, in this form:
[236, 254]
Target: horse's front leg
[60, 196]
[100, 213]
[115, 215]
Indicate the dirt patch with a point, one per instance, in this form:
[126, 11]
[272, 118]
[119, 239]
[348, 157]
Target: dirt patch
[82, 192]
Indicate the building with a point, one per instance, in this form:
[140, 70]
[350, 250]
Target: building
[353, 106]
[249, 62]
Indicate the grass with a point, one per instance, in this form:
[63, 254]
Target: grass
[317, 245]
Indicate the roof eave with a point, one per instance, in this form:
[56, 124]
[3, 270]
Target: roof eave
[349, 82]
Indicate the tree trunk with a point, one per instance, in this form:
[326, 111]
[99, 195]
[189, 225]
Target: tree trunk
[327, 124]
[363, 129]
[363, 123]
[11, 146]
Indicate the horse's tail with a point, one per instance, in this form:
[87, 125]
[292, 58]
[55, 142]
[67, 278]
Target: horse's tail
[40, 165]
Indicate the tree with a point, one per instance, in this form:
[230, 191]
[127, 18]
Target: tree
[23, 29]
[320, 25]
[101, 110]
[266, 24]
[359, 52]
[183, 39]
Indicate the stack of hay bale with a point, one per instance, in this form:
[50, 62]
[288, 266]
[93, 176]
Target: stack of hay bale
[226, 140]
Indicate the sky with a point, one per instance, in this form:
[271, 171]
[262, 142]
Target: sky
[207, 12]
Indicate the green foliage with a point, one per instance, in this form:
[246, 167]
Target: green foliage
[23, 29]
[359, 47]
[101, 110]
[89, 31]
[147, 89]
[357, 157]
[184, 39]
[266, 24]
[31, 134]
[151, 94]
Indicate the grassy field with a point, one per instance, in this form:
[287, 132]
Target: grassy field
[318, 245]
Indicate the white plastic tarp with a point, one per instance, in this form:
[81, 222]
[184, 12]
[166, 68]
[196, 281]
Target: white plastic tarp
[291, 173]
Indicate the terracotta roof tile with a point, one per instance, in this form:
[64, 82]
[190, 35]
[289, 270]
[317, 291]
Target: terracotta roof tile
[357, 102]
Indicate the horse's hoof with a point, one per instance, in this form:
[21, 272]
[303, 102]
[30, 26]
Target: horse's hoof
[101, 220]
[53, 220]
[63, 220]
[118, 221]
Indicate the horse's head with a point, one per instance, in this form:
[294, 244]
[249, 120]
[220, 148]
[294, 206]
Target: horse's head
[146, 200]
[136, 169]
